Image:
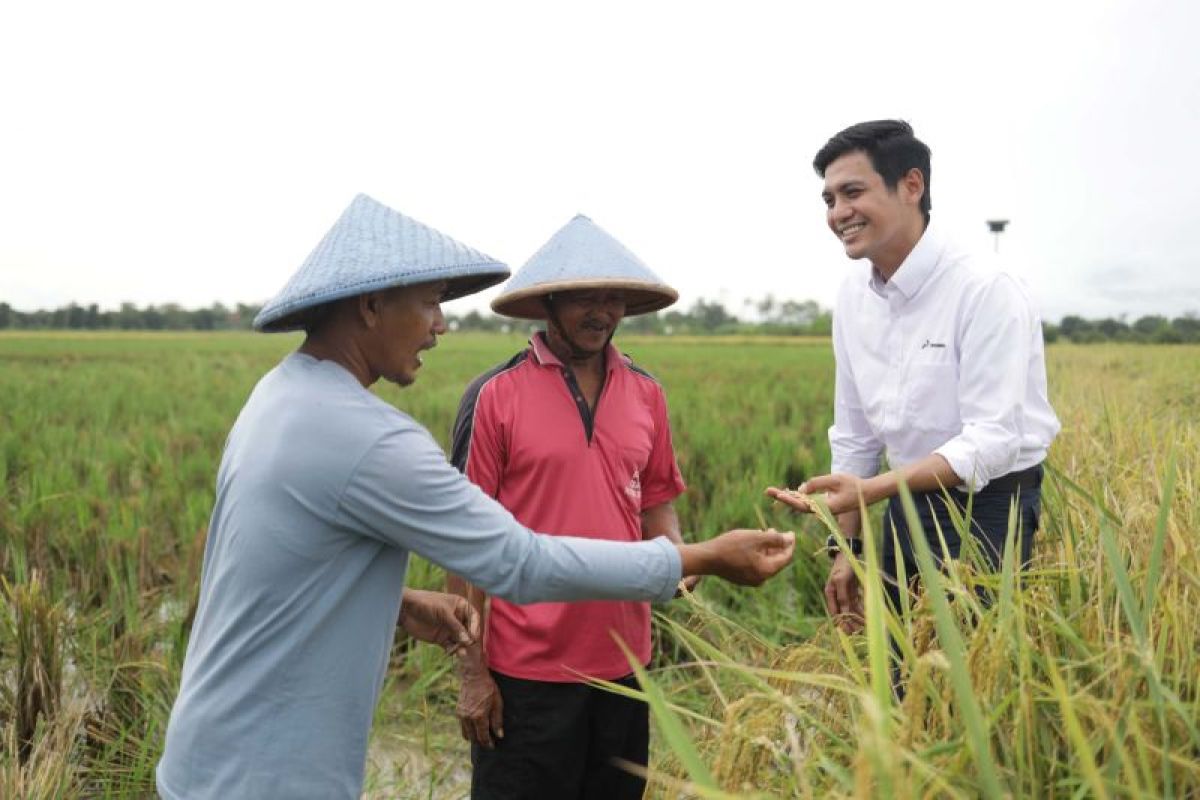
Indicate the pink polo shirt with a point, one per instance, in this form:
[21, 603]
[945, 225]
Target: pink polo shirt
[524, 435]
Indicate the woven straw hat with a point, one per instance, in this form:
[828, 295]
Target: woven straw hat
[582, 255]
[373, 247]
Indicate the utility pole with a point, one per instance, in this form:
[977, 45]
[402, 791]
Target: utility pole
[997, 226]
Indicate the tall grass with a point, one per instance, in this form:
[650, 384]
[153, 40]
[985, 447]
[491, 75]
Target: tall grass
[1083, 675]
[1080, 679]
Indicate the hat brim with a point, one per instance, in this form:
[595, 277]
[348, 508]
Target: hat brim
[298, 317]
[640, 297]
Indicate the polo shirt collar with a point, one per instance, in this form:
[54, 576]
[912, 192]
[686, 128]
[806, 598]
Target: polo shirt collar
[545, 356]
[916, 269]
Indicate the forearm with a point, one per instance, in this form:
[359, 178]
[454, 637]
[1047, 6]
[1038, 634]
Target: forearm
[931, 473]
[405, 494]
[850, 523]
[847, 494]
[661, 520]
[566, 568]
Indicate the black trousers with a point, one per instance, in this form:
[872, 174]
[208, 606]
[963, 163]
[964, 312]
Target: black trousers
[988, 525]
[559, 743]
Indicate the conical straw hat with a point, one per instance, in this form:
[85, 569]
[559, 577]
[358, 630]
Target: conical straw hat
[373, 247]
[582, 255]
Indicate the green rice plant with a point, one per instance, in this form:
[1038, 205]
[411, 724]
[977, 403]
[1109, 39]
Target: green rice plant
[1085, 668]
[47, 769]
[1067, 703]
[950, 638]
[33, 622]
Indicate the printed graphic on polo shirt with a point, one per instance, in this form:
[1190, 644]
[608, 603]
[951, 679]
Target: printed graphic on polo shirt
[633, 490]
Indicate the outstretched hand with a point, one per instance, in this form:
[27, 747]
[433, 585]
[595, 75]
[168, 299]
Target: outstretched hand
[745, 557]
[842, 493]
[446, 620]
[793, 498]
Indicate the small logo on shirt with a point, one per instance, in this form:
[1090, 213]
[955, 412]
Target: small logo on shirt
[634, 487]
[932, 344]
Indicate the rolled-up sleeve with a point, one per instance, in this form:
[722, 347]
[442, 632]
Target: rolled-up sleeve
[406, 494]
[993, 372]
[854, 448]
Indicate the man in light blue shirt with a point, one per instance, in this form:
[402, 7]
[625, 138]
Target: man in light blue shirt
[323, 491]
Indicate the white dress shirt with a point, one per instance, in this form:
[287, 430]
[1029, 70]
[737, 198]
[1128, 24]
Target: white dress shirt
[947, 358]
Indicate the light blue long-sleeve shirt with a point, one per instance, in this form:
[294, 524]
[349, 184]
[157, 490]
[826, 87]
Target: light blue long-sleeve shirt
[322, 492]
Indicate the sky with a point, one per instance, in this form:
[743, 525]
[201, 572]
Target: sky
[193, 153]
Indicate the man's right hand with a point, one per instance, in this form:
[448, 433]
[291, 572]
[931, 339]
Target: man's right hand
[480, 709]
[745, 557]
[843, 595]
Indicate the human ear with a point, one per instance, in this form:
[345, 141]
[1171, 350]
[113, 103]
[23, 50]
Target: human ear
[913, 185]
[369, 305]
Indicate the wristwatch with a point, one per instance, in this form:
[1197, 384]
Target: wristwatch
[833, 548]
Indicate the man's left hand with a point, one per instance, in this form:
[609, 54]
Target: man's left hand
[842, 493]
[446, 620]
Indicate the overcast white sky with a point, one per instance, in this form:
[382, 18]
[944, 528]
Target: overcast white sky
[161, 152]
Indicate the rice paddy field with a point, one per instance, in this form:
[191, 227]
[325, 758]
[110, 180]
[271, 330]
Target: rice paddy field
[1082, 680]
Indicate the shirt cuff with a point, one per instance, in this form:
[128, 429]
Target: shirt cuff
[961, 458]
[674, 568]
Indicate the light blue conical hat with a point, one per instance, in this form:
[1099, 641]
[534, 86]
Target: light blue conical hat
[374, 247]
[582, 255]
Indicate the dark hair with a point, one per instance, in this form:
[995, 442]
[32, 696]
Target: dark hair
[892, 148]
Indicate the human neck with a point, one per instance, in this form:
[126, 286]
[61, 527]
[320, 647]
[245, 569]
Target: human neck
[887, 264]
[578, 360]
[341, 351]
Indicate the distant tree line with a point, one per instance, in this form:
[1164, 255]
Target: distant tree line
[168, 317]
[784, 318]
[1152, 329]
[766, 316]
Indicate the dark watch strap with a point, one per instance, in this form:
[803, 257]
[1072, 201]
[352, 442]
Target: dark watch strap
[833, 548]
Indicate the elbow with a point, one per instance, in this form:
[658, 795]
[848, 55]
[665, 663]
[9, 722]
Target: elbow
[1005, 450]
[997, 457]
[507, 584]
[517, 591]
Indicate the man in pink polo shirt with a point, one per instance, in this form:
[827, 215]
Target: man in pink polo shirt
[570, 436]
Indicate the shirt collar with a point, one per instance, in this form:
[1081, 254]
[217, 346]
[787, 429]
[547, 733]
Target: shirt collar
[545, 356]
[916, 269]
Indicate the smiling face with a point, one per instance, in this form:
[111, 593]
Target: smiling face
[870, 219]
[407, 321]
[585, 320]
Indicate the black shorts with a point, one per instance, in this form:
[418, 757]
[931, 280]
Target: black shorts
[560, 740]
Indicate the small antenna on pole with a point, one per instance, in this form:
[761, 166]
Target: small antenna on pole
[997, 226]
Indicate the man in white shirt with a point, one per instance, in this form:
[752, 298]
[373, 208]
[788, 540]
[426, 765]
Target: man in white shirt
[940, 367]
